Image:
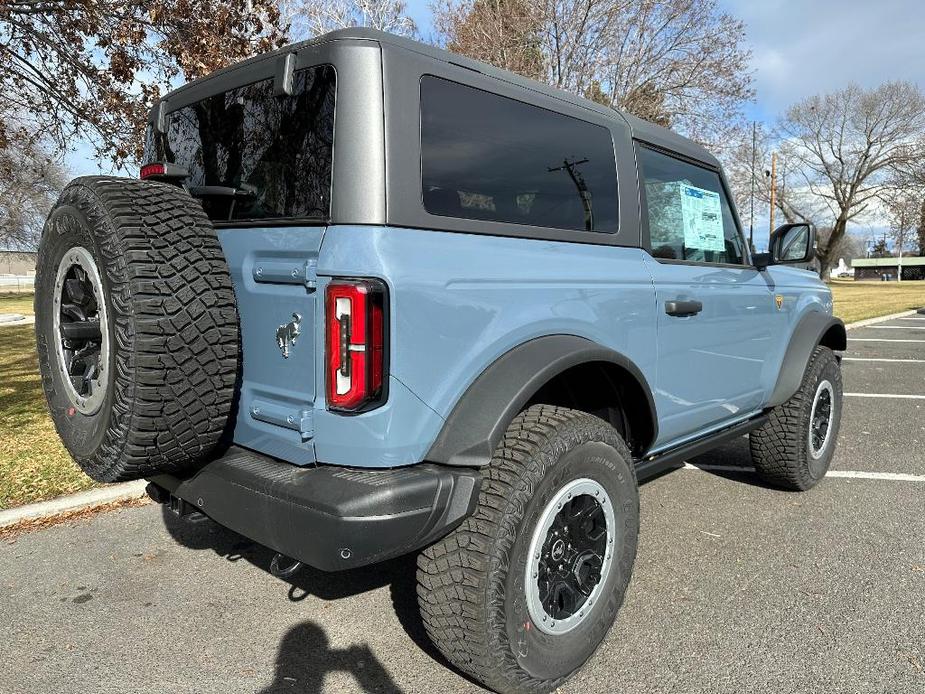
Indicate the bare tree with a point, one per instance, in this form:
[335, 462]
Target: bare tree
[920, 228]
[848, 247]
[504, 33]
[310, 18]
[679, 63]
[844, 146]
[793, 200]
[93, 69]
[30, 181]
[903, 206]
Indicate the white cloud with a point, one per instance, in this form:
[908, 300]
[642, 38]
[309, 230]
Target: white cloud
[810, 47]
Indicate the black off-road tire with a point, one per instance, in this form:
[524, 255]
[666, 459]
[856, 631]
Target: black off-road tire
[471, 584]
[167, 385]
[781, 449]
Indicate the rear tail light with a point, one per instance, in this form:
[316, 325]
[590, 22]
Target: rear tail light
[163, 171]
[153, 170]
[355, 325]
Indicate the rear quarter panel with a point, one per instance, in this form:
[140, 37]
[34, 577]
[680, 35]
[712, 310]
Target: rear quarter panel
[460, 301]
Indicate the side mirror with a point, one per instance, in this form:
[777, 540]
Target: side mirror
[791, 244]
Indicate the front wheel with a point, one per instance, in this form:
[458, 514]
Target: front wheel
[524, 591]
[794, 449]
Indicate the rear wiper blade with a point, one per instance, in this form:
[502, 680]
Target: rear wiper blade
[220, 192]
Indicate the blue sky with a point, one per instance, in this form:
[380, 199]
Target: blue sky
[805, 47]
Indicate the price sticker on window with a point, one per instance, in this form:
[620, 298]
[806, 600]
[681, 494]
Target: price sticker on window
[702, 217]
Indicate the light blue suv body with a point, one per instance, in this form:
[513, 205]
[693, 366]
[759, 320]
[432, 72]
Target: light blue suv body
[422, 246]
[459, 302]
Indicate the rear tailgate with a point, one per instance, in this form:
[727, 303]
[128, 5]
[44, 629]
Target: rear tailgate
[273, 270]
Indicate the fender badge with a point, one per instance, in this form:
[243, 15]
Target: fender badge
[286, 335]
[779, 300]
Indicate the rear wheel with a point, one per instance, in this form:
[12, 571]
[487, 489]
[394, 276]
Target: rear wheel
[524, 591]
[794, 449]
[136, 328]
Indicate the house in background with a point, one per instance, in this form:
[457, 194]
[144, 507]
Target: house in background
[841, 270]
[18, 263]
[913, 268]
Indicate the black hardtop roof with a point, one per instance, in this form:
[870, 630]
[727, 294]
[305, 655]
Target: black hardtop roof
[641, 129]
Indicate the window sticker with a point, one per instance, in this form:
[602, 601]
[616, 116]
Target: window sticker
[702, 217]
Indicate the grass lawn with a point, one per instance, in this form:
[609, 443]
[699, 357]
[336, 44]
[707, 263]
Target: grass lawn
[33, 464]
[856, 301]
[16, 303]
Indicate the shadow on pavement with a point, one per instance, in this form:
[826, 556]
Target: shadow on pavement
[305, 657]
[731, 461]
[399, 574]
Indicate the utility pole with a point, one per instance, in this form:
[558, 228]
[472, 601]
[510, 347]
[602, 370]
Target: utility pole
[751, 223]
[773, 188]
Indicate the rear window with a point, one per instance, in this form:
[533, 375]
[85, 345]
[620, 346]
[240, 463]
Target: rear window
[487, 157]
[253, 155]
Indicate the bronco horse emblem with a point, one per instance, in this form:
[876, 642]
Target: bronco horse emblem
[287, 334]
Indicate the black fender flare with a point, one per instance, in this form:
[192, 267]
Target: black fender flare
[810, 331]
[480, 417]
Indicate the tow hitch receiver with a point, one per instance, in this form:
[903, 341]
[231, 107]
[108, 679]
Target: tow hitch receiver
[179, 507]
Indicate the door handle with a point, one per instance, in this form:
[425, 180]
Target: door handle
[683, 308]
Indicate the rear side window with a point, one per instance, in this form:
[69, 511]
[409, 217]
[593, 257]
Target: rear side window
[253, 155]
[487, 157]
[688, 213]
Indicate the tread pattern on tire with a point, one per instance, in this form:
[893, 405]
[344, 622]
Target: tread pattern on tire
[460, 598]
[779, 448]
[177, 347]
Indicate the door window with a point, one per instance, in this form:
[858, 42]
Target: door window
[688, 213]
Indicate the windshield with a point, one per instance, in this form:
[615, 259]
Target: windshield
[254, 155]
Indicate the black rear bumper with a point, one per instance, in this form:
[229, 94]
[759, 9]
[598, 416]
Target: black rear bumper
[329, 517]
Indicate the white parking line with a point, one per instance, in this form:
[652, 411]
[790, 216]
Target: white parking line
[884, 395]
[897, 361]
[880, 339]
[892, 476]
[849, 474]
[896, 327]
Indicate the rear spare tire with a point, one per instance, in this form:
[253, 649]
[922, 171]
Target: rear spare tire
[136, 328]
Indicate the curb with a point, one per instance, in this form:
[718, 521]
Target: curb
[880, 319]
[21, 320]
[74, 502]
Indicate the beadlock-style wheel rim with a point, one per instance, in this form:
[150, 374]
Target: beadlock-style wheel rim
[820, 419]
[81, 330]
[571, 556]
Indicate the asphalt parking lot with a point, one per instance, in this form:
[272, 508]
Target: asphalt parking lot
[737, 587]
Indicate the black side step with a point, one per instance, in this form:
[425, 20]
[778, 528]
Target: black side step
[657, 464]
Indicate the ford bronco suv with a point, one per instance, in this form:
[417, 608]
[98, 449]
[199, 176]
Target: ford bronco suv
[371, 298]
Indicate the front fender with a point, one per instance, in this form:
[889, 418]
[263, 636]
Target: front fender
[810, 331]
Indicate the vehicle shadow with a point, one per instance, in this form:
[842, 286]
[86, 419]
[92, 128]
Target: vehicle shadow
[300, 646]
[731, 461]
